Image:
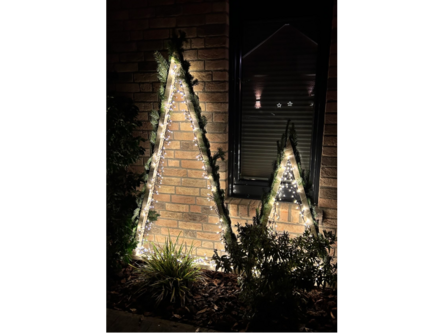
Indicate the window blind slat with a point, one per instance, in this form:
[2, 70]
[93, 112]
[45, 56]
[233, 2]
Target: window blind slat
[280, 70]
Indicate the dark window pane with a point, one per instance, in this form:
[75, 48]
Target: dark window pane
[281, 68]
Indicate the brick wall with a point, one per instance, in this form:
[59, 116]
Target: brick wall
[137, 28]
[328, 179]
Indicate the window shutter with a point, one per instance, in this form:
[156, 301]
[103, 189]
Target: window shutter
[281, 69]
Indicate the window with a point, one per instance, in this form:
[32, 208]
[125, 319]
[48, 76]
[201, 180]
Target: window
[278, 71]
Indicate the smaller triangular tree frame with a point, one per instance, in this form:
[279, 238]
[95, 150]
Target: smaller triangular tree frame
[176, 73]
[304, 211]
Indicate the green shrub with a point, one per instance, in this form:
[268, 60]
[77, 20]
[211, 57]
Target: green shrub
[272, 268]
[123, 149]
[167, 273]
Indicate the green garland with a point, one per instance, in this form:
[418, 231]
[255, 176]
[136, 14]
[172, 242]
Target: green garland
[175, 50]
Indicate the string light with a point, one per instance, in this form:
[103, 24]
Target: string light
[159, 155]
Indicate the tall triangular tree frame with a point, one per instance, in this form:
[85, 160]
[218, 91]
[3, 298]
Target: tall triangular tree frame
[176, 73]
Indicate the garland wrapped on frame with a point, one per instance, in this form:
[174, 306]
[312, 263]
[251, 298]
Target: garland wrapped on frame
[169, 73]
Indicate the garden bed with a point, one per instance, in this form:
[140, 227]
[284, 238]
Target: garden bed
[215, 304]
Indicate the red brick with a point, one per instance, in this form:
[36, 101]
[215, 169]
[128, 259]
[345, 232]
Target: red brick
[220, 117]
[197, 43]
[217, 137]
[328, 203]
[216, 86]
[194, 182]
[131, 25]
[136, 35]
[171, 215]
[209, 236]
[331, 107]
[131, 57]
[166, 189]
[190, 226]
[221, 6]
[128, 87]
[162, 197]
[126, 67]
[189, 242]
[196, 174]
[206, 54]
[328, 193]
[187, 190]
[330, 130]
[329, 161]
[331, 118]
[221, 18]
[190, 32]
[190, 55]
[204, 252]
[119, 36]
[203, 201]
[145, 77]
[216, 107]
[173, 163]
[213, 219]
[329, 172]
[216, 64]
[175, 172]
[188, 164]
[173, 145]
[220, 76]
[190, 155]
[156, 34]
[172, 10]
[183, 199]
[146, 87]
[213, 30]
[195, 209]
[190, 20]
[171, 232]
[202, 76]
[165, 22]
[209, 245]
[177, 116]
[211, 227]
[213, 97]
[332, 95]
[166, 223]
[149, 45]
[330, 141]
[328, 182]
[145, 97]
[183, 136]
[186, 127]
[200, 8]
[191, 217]
[196, 65]
[330, 151]
[142, 13]
[216, 128]
[177, 208]
[171, 181]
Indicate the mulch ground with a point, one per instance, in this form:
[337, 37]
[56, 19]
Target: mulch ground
[215, 304]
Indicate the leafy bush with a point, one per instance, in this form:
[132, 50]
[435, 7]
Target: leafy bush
[272, 268]
[123, 150]
[167, 273]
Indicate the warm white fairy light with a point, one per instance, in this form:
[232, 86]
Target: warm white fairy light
[155, 183]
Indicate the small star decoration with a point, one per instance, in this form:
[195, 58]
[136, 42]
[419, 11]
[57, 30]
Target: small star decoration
[279, 105]
[290, 103]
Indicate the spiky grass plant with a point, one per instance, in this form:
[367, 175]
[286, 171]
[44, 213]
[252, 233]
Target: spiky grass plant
[167, 273]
